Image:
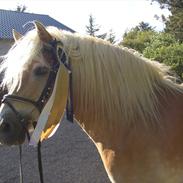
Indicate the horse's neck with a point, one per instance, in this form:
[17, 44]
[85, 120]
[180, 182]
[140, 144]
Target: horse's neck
[171, 106]
[170, 109]
[172, 114]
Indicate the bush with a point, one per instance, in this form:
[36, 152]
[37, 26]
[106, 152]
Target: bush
[137, 40]
[164, 48]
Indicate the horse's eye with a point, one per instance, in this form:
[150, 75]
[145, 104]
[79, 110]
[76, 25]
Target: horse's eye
[39, 71]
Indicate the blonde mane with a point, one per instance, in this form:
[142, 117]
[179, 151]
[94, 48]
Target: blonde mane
[114, 84]
[110, 83]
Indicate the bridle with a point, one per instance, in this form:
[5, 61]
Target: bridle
[59, 58]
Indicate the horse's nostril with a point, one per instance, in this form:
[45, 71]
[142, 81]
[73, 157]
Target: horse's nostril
[4, 126]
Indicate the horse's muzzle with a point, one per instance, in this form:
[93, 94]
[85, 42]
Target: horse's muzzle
[11, 131]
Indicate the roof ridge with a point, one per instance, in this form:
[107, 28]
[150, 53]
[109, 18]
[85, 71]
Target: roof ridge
[61, 23]
[23, 12]
[15, 20]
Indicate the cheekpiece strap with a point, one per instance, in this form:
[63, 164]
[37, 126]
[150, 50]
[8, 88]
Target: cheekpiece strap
[62, 58]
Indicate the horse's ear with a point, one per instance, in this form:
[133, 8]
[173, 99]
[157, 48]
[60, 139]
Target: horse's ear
[16, 35]
[42, 32]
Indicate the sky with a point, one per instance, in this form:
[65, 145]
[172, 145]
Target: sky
[118, 15]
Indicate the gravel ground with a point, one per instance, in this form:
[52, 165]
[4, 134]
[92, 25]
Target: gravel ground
[68, 157]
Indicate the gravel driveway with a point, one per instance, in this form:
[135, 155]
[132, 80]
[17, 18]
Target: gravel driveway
[68, 157]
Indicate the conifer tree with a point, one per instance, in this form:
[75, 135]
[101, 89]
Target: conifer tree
[174, 23]
[92, 29]
[111, 37]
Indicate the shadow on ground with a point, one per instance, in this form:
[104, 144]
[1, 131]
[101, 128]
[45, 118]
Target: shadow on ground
[68, 157]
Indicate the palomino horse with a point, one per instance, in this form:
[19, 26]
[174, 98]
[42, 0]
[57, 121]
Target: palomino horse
[129, 106]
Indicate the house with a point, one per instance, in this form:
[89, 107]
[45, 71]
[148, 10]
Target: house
[19, 21]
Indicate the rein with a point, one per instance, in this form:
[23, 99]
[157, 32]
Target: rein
[59, 58]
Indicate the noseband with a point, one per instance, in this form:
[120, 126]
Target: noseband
[59, 57]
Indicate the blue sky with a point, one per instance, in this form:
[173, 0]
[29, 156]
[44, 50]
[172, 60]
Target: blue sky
[118, 15]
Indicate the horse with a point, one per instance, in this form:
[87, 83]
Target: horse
[128, 105]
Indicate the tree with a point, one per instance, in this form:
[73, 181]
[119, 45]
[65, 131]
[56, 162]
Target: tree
[92, 29]
[170, 3]
[21, 8]
[138, 37]
[144, 26]
[174, 23]
[111, 37]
